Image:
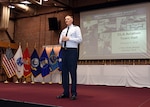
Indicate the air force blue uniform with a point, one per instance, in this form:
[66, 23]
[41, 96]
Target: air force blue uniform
[70, 58]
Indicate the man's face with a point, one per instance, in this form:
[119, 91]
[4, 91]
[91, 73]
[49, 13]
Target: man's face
[68, 20]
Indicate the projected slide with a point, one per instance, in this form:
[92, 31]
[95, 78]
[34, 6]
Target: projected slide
[116, 33]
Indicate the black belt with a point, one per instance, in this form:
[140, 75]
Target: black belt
[68, 48]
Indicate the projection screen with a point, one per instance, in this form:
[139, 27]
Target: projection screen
[121, 32]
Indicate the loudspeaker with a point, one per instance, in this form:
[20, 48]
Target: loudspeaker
[53, 23]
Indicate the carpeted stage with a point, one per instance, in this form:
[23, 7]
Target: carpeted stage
[44, 95]
[13, 103]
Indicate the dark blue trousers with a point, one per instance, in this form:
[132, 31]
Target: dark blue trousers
[69, 65]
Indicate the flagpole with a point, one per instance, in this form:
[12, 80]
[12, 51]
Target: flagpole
[32, 79]
[43, 82]
[24, 80]
[32, 73]
[16, 81]
[60, 82]
[24, 67]
[35, 64]
[18, 57]
[44, 64]
[50, 78]
[8, 64]
[6, 81]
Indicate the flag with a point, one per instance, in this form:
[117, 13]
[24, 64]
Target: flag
[8, 63]
[9, 53]
[35, 64]
[19, 62]
[60, 60]
[44, 63]
[53, 60]
[26, 60]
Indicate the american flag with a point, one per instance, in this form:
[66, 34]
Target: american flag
[9, 65]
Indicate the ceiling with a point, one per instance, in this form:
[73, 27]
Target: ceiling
[36, 7]
[61, 3]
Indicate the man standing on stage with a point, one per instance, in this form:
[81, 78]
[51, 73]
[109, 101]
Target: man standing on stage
[69, 39]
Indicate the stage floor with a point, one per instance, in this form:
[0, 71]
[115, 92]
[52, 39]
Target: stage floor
[88, 95]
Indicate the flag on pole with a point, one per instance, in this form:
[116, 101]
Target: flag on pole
[60, 60]
[9, 53]
[8, 63]
[19, 62]
[44, 63]
[35, 63]
[53, 60]
[27, 66]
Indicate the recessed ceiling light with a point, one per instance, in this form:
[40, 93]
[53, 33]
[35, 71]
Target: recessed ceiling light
[25, 2]
[11, 6]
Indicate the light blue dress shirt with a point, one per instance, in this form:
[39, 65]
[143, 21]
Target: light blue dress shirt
[74, 34]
